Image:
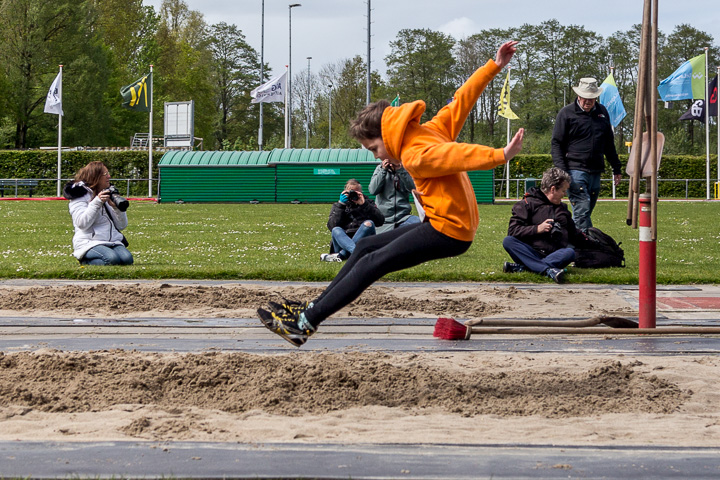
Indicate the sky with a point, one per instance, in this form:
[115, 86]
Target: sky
[333, 30]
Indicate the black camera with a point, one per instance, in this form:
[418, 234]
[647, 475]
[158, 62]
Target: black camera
[120, 202]
[556, 231]
[352, 195]
[390, 168]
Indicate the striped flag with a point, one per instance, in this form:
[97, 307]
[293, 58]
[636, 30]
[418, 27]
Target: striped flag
[504, 107]
[138, 95]
[396, 101]
[685, 83]
[610, 98]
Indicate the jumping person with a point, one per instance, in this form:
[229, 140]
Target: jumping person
[438, 165]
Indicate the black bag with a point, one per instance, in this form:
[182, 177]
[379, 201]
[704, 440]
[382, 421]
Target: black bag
[600, 251]
[125, 242]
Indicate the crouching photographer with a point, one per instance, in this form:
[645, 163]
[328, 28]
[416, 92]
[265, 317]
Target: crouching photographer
[541, 229]
[352, 218]
[99, 215]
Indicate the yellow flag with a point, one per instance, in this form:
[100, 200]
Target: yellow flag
[504, 107]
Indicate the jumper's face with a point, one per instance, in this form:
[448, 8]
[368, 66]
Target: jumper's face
[377, 147]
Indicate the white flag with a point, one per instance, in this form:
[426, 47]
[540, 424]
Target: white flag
[53, 104]
[272, 91]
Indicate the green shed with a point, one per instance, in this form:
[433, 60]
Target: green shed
[279, 175]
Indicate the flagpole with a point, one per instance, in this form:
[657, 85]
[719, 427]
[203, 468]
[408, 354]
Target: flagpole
[717, 122]
[150, 139]
[707, 129]
[262, 71]
[287, 142]
[612, 182]
[59, 152]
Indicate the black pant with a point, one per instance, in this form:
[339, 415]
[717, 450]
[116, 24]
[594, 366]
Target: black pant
[379, 255]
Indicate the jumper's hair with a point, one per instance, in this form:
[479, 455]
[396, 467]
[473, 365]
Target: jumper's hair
[91, 174]
[367, 125]
[554, 177]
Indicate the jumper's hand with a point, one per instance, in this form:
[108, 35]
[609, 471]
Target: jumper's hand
[515, 145]
[505, 53]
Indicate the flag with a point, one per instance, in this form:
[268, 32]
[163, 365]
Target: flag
[504, 107]
[697, 110]
[271, 91]
[687, 82]
[53, 103]
[610, 98]
[396, 101]
[138, 95]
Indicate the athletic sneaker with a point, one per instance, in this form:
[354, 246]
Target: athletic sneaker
[293, 307]
[557, 274]
[286, 326]
[509, 267]
[331, 257]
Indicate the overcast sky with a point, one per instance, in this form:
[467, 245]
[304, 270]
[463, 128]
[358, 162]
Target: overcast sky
[331, 30]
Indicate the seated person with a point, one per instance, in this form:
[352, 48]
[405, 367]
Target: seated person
[541, 229]
[391, 184]
[97, 220]
[353, 217]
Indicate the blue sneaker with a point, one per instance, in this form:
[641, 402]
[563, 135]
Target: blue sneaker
[557, 274]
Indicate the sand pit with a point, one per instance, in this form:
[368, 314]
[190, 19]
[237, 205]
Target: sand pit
[348, 397]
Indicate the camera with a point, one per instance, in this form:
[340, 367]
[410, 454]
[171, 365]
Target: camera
[120, 202]
[390, 168]
[556, 231]
[352, 195]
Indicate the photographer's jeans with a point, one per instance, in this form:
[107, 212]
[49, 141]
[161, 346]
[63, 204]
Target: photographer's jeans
[344, 245]
[583, 194]
[524, 254]
[108, 255]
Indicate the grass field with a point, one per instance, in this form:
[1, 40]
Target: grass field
[284, 242]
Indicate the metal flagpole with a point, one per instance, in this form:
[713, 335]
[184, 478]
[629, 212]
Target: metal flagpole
[707, 128]
[717, 122]
[262, 72]
[507, 164]
[150, 137]
[59, 152]
[612, 182]
[287, 83]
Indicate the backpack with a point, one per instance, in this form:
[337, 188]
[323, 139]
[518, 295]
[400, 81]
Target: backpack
[600, 251]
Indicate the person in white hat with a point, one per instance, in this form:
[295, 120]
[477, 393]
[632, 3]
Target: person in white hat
[582, 140]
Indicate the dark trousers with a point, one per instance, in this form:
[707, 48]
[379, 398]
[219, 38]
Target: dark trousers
[379, 255]
[524, 254]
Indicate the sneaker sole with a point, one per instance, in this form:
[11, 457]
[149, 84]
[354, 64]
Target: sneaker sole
[269, 323]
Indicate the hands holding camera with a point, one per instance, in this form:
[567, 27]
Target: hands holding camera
[112, 195]
[353, 196]
[388, 166]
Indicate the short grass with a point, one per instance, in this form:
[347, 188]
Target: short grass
[284, 242]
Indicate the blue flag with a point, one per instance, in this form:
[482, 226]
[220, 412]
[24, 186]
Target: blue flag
[610, 98]
[685, 83]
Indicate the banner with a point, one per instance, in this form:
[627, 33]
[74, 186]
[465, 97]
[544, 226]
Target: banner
[138, 95]
[272, 91]
[697, 110]
[686, 83]
[396, 101]
[610, 98]
[504, 107]
[53, 103]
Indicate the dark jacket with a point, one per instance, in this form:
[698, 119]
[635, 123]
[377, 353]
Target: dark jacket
[349, 216]
[533, 210]
[581, 139]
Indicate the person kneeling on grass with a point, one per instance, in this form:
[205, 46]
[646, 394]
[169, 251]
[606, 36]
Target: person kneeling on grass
[541, 229]
[352, 218]
[439, 166]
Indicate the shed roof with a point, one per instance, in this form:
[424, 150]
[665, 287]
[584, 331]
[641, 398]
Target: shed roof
[278, 155]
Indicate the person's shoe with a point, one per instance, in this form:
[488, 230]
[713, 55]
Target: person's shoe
[557, 274]
[286, 326]
[330, 257]
[287, 306]
[509, 267]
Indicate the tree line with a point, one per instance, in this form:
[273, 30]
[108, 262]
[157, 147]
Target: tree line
[105, 44]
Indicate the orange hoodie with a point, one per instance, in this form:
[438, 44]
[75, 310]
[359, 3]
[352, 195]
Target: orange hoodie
[436, 162]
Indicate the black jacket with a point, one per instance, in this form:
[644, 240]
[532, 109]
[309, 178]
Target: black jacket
[349, 216]
[533, 210]
[581, 139]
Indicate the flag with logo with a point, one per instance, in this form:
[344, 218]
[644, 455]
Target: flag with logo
[396, 101]
[138, 95]
[504, 107]
[685, 83]
[53, 102]
[610, 98]
[697, 109]
[270, 91]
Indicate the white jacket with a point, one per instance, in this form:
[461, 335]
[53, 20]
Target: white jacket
[94, 223]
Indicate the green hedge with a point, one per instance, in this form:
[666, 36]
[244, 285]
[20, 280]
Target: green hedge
[134, 164]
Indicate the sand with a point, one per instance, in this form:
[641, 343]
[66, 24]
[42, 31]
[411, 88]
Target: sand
[349, 397]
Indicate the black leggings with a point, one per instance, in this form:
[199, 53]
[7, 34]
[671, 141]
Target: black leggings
[378, 255]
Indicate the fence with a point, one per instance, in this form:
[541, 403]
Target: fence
[47, 187]
[667, 188]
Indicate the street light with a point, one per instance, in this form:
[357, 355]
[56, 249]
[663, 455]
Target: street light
[289, 79]
[307, 109]
[330, 117]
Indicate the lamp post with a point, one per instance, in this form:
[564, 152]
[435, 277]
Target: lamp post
[289, 79]
[307, 108]
[330, 118]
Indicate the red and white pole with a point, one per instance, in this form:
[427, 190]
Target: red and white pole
[648, 271]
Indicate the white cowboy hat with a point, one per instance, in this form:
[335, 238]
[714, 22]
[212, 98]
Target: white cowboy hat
[588, 88]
